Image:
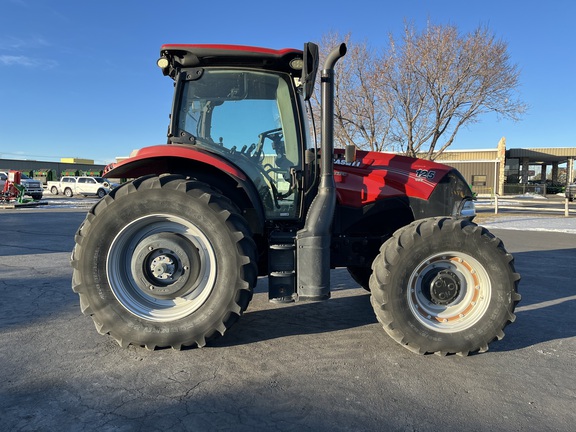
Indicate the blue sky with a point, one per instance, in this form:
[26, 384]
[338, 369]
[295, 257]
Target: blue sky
[79, 78]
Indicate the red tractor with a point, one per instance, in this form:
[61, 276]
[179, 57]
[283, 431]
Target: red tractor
[12, 189]
[170, 259]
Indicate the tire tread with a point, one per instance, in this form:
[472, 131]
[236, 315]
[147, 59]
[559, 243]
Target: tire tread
[402, 241]
[223, 208]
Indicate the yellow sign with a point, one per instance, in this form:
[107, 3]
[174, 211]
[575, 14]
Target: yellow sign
[77, 161]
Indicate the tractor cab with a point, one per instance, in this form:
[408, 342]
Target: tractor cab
[246, 106]
[249, 118]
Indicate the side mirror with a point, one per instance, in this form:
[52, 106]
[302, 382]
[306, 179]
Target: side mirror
[310, 68]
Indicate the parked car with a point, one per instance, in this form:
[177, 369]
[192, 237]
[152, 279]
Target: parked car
[33, 187]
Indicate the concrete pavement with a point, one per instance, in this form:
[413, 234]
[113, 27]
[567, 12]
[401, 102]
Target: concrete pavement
[325, 366]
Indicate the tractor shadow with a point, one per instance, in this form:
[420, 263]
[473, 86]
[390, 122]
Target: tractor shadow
[547, 311]
[348, 308]
[294, 319]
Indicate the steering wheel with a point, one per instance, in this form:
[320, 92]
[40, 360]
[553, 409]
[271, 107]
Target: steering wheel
[277, 138]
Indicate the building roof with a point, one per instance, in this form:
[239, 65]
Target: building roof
[542, 155]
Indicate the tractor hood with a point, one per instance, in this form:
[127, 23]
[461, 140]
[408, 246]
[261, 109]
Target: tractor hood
[387, 175]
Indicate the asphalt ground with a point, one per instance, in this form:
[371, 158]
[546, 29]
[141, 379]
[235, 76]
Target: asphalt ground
[326, 366]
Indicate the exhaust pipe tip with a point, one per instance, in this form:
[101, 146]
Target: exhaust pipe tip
[334, 56]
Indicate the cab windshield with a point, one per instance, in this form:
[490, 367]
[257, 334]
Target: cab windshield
[247, 117]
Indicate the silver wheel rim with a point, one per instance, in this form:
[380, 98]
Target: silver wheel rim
[463, 296]
[150, 273]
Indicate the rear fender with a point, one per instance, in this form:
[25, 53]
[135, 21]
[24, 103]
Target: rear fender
[200, 165]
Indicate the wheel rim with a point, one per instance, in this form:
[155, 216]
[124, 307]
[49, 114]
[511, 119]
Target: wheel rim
[449, 292]
[161, 268]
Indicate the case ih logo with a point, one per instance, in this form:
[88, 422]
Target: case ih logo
[357, 164]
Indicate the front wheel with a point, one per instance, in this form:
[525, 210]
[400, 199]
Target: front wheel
[444, 286]
[164, 262]
[68, 192]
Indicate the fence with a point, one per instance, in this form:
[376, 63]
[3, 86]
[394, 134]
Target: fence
[532, 188]
[500, 203]
[521, 189]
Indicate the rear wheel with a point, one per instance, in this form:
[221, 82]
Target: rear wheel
[164, 262]
[444, 286]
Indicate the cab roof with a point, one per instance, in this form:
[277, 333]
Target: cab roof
[203, 55]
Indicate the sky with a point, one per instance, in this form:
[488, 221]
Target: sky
[79, 78]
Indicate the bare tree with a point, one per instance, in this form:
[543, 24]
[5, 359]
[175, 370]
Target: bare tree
[442, 81]
[420, 91]
[361, 116]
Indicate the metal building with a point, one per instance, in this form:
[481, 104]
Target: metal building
[45, 171]
[504, 171]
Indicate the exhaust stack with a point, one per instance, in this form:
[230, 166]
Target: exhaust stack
[313, 241]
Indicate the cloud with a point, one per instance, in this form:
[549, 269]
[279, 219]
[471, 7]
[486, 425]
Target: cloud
[11, 49]
[11, 43]
[9, 60]
[15, 60]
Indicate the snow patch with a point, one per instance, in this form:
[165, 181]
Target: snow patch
[549, 224]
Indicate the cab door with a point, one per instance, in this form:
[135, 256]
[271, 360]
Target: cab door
[252, 119]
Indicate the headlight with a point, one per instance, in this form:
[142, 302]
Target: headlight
[162, 62]
[467, 209]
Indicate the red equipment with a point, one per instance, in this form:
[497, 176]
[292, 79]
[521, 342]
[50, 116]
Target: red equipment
[171, 258]
[13, 190]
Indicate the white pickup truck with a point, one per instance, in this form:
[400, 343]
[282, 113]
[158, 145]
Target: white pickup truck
[82, 185]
